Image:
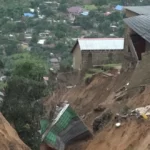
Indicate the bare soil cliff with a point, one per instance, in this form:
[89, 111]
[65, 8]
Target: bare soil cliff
[101, 94]
[9, 139]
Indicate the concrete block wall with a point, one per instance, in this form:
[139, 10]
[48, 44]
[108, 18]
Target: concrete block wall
[101, 57]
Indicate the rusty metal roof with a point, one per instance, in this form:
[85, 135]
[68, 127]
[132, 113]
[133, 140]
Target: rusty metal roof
[141, 25]
[101, 43]
[141, 10]
[75, 9]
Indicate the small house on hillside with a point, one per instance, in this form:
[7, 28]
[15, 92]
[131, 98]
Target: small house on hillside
[137, 44]
[29, 14]
[74, 11]
[88, 52]
[137, 34]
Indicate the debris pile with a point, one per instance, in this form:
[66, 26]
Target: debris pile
[101, 121]
[138, 113]
[64, 128]
[143, 110]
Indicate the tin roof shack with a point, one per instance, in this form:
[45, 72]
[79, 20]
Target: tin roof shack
[89, 52]
[137, 48]
[73, 12]
[137, 35]
[132, 11]
[64, 129]
[135, 43]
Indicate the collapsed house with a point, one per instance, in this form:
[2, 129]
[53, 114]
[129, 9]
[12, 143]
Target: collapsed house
[65, 128]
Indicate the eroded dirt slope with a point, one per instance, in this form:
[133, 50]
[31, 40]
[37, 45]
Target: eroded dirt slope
[9, 139]
[132, 135]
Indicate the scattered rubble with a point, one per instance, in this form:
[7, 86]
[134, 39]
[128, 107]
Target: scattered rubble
[106, 74]
[70, 87]
[143, 110]
[99, 108]
[138, 113]
[101, 121]
[118, 124]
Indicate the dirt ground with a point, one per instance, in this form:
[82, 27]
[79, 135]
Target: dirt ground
[132, 135]
[9, 139]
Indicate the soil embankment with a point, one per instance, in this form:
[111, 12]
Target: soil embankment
[133, 134]
[9, 139]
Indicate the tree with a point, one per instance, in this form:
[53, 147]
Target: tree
[63, 7]
[24, 87]
[120, 31]
[48, 41]
[9, 27]
[21, 37]
[100, 2]
[84, 22]
[20, 27]
[34, 39]
[115, 16]
[47, 10]
[60, 34]
[105, 27]
[60, 47]
[35, 4]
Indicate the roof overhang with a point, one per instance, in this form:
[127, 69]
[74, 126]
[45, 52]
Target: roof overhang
[76, 43]
[140, 10]
[140, 25]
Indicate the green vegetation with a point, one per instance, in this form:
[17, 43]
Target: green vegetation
[24, 88]
[104, 68]
[112, 65]
[92, 72]
[90, 7]
[24, 68]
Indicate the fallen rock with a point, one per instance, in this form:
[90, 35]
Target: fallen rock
[99, 108]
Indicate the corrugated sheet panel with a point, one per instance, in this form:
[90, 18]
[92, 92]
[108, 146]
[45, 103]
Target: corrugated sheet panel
[141, 25]
[141, 10]
[101, 43]
[64, 129]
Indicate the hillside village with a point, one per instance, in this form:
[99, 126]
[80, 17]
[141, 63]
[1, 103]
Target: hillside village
[54, 27]
[74, 74]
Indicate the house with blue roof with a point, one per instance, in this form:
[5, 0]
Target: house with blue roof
[119, 8]
[29, 14]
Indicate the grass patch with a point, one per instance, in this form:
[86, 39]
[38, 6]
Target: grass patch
[91, 72]
[112, 65]
[3, 85]
[90, 7]
[87, 75]
[103, 68]
[95, 70]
